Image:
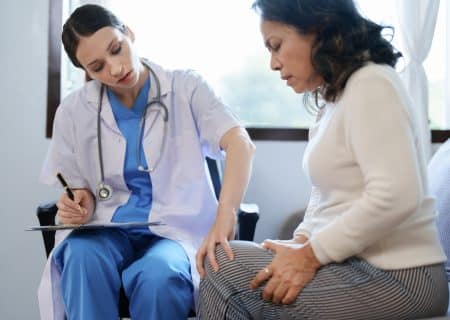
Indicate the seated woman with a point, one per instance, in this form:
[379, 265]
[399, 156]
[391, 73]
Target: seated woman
[132, 143]
[367, 248]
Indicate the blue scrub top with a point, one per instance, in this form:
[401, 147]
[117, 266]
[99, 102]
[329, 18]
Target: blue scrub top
[138, 182]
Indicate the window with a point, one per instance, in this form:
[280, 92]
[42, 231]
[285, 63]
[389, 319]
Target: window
[222, 41]
[225, 46]
[436, 72]
[385, 12]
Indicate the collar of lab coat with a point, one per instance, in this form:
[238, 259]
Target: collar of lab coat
[93, 91]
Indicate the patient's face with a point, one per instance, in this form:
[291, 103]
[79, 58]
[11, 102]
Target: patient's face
[109, 56]
[291, 55]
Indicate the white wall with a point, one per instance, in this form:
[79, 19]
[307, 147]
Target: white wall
[23, 65]
[278, 185]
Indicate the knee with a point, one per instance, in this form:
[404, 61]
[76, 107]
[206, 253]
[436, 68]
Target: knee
[238, 247]
[160, 274]
[76, 251]
[247, 256]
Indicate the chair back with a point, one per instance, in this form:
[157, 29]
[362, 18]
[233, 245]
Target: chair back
[439, 188]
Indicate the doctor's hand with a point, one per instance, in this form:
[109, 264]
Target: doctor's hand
[222, 230]
[292, 268]
[79, 210]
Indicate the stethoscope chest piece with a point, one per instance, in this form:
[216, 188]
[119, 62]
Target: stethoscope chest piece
[104, 191]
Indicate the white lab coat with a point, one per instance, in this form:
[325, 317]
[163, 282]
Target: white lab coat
[183, 198]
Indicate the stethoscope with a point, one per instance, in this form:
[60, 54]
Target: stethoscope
[104, 191]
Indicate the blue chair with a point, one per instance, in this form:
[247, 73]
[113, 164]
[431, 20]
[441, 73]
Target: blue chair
[439, 186]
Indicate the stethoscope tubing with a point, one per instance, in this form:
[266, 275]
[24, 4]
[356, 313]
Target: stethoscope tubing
[104, 191]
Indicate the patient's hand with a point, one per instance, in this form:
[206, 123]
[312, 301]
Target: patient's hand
[292, 268]
[78, 211]
[222, 230]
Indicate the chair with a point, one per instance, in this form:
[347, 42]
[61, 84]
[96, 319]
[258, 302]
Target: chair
[248, 216]
[439, 187]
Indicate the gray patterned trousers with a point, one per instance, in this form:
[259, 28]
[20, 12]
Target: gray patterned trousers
[353, 289]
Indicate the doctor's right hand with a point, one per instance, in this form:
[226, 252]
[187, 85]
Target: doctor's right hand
[78, 211]
[222, 230]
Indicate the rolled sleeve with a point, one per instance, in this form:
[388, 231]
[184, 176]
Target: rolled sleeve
[212, 116]
[306, 227]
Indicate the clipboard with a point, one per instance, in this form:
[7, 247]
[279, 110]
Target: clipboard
[90, 226]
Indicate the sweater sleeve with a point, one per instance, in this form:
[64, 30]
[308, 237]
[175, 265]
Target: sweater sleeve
[378, 133]
[306, 227]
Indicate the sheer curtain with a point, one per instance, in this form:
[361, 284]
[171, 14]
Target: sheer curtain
[447, 69]
[417, 21]
[104, 3]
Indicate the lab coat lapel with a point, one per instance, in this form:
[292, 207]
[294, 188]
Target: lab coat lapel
[154, 130]
[107, 116]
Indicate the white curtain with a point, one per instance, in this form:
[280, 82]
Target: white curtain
[104, 3]
[447, 67]
[417, 20]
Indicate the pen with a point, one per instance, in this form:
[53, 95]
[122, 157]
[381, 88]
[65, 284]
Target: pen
[66, 186]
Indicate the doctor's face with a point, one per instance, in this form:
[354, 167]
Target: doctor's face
[108, 56]
[291, 55]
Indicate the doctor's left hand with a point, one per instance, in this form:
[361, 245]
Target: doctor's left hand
[222, 230]
[79, 210]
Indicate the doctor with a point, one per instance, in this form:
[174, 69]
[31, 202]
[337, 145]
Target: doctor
[132, 143]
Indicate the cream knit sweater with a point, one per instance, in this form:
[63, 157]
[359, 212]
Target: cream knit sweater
[369, 197]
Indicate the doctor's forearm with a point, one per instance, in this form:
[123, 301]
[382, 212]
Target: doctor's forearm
[239, 155]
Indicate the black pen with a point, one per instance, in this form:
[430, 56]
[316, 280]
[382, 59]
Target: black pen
[66, 186]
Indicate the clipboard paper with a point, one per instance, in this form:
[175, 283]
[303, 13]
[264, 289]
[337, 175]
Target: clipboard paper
[90, 226]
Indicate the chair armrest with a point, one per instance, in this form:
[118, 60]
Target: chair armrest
[248, 216]
[46, 215]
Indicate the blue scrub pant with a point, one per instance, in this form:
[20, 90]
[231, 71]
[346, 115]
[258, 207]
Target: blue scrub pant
[154, 271]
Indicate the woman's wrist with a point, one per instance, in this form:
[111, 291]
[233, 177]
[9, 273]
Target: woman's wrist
[311, 256]
[300, 238]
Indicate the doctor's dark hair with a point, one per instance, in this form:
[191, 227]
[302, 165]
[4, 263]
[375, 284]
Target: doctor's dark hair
[344, 40]
[85, 21]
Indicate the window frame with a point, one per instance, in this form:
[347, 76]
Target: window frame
[54, 90]
[53, 63]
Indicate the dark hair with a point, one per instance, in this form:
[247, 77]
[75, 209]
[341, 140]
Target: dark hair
[344, 41]
[85, 21]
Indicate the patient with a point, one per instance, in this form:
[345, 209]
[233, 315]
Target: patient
[367, 247]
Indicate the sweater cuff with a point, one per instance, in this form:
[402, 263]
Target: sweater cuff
[302, 232]
[319, 252]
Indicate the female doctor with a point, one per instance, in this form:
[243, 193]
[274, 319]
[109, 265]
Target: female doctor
[132, 143]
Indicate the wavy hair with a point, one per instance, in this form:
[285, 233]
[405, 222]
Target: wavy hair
[83, 22]
[344, 40]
